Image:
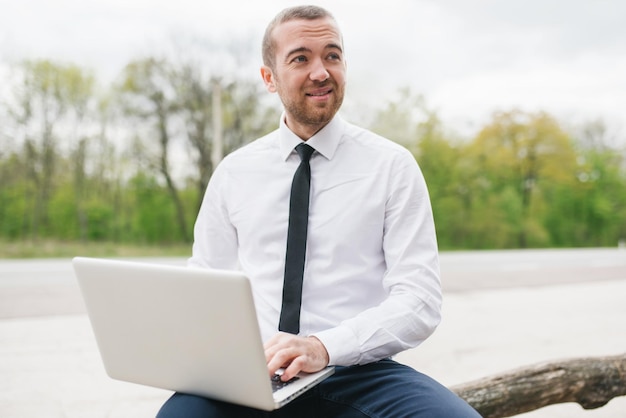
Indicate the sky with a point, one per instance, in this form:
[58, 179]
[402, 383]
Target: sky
[468, 58]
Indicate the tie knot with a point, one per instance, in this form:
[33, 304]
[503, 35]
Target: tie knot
[304, 151]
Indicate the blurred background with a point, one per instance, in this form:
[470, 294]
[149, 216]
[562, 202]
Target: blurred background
[114, 114]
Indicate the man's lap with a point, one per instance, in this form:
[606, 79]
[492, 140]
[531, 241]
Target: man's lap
[385, 389]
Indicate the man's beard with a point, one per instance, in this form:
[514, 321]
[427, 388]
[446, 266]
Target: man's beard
[310, 114]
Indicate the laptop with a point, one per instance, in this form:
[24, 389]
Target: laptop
[183, 329]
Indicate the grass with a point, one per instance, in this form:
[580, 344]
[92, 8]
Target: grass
[65, 249]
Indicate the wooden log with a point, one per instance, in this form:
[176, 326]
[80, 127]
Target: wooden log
[591, 382]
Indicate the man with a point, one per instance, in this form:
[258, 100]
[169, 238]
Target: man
[370, 286]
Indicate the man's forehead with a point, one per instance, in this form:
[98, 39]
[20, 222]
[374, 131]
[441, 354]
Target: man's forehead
[301, 30]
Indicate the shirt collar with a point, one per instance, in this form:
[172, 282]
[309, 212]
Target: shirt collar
[324, 142]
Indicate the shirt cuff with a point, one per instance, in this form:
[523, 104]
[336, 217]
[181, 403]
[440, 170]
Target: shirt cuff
[341, 344]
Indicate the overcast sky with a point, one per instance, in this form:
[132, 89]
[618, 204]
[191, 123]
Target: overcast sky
[468, 58]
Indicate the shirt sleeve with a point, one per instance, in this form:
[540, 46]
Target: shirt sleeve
[215, 238]
[412, 310]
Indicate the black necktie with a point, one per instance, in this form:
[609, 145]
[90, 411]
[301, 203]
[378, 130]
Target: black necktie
[296, 243]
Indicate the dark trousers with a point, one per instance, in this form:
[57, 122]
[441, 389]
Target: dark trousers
[385, 389]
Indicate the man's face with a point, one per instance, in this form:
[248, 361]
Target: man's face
[310, 73]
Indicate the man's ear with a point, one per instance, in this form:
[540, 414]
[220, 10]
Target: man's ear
[268, 78]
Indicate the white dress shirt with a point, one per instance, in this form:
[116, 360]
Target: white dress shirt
[371, 280]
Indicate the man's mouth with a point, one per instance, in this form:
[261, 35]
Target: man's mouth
[320, 93]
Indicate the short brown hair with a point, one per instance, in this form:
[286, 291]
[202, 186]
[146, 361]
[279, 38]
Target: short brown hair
[291, 13]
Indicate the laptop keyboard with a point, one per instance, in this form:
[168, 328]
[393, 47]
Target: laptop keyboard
[279, 384]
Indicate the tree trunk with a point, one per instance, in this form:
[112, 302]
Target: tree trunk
[590, 382]
[218, 143]
[165, 170]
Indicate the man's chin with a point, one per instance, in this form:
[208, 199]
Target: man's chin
[321, 119]
[323, 113]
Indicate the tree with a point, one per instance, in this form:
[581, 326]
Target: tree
[186, 106]
[45, 100]
[517, 157]
[591, 211]
[147, 94]
[199, 99]
[219, 117]
[401, 118]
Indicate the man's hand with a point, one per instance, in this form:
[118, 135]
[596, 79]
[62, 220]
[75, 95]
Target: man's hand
[295, 354]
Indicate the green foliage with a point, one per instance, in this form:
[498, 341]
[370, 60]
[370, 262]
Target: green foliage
[153, 212]
[130, 165]
[522, 181]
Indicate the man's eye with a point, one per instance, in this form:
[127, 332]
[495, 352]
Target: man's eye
[334, 57]
[300, 58]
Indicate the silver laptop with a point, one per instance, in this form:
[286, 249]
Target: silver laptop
[183, 329]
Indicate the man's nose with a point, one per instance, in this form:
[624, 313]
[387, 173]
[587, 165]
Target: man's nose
[318, 71]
